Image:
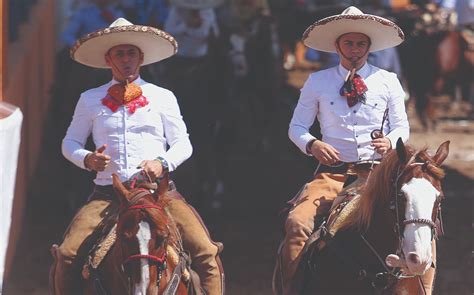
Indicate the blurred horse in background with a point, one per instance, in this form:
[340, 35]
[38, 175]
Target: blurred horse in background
[435, 60]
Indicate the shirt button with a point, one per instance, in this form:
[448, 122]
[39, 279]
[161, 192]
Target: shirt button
[332, 102]
[357, 135]
[360, 158]
[128, 142]
[354, 111]
[358, 145]
[355, 123]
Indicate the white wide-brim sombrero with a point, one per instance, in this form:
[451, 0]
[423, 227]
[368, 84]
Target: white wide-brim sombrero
[155, 44]
[196, 4]
[382, 32]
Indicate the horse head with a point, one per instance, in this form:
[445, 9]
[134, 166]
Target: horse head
[144, 236]
[417, 197]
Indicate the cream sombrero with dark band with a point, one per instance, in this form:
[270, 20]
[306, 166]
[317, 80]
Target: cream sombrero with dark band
[156, 45]
[383, 33]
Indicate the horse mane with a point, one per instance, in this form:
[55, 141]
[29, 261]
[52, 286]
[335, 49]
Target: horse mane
[379, 186]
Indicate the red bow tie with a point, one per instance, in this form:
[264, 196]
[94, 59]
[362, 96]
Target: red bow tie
[129, 95]
[354, 90]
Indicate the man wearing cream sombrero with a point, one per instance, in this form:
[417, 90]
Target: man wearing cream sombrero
[132, 123]
[349, 101]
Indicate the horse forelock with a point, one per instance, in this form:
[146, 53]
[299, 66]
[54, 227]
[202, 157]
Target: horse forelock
[430, 167]
[159, 218]
[161, 224]
[379, 186]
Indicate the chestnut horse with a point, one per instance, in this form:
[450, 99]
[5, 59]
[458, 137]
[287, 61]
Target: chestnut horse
[384, 245]
[147, 257]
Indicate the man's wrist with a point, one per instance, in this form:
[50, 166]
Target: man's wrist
[85, 162]
[309, 145]
[164, 164]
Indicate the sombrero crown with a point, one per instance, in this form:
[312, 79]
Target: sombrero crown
[156, 45]
[383, 33]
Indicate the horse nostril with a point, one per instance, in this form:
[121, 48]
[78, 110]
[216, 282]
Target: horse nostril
[414, 258]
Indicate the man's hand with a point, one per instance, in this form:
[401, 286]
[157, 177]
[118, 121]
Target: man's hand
[97, 160]
[381, 145]
[153, 168]
[325, 153]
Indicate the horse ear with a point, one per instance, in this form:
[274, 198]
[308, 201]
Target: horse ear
[120, 189]
[441, 153]
[401, 151]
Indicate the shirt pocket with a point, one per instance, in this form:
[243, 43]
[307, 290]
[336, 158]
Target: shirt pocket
[375, 105]
[335, 112]
[145, 120]
[106, 122]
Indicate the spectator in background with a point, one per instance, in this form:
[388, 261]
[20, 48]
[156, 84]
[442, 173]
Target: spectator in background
[386, 59]
[90, 17]
[192, 27]
[146, 12]
[245, 11]
[188, 75]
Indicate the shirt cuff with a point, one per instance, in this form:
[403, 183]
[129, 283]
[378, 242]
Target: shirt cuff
[309, 144]
[78, 158]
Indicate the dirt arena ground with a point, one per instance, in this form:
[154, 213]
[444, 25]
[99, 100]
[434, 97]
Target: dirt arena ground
[258, 182]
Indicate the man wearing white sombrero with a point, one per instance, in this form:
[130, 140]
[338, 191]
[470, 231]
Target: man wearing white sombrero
[132, 123]
[350, 102]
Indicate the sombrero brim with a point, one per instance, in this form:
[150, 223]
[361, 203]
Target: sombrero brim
[383, 33]
[197, 4]
[155, 44]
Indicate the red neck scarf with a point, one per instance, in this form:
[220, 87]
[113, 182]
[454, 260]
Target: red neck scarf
[129, 95]
[354, 89]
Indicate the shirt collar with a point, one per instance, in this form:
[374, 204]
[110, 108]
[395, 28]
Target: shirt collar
[363, 72]
[139, 81]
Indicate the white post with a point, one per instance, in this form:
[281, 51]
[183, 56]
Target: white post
[10, 135]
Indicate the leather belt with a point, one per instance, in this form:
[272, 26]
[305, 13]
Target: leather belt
[352, 168]
[107, 192]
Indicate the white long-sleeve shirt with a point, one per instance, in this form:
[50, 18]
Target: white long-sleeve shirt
[130, 138]
[348, 128]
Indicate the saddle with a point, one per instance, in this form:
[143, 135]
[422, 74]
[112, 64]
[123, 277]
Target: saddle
[332, 225]
[321, 237]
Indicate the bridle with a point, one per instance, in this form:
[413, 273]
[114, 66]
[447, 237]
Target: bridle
[395, 274]
[399, 195]
[160, 260]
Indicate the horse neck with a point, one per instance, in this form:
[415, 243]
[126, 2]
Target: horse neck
[381, 232]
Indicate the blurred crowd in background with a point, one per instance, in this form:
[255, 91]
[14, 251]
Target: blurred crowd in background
[234, 57]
